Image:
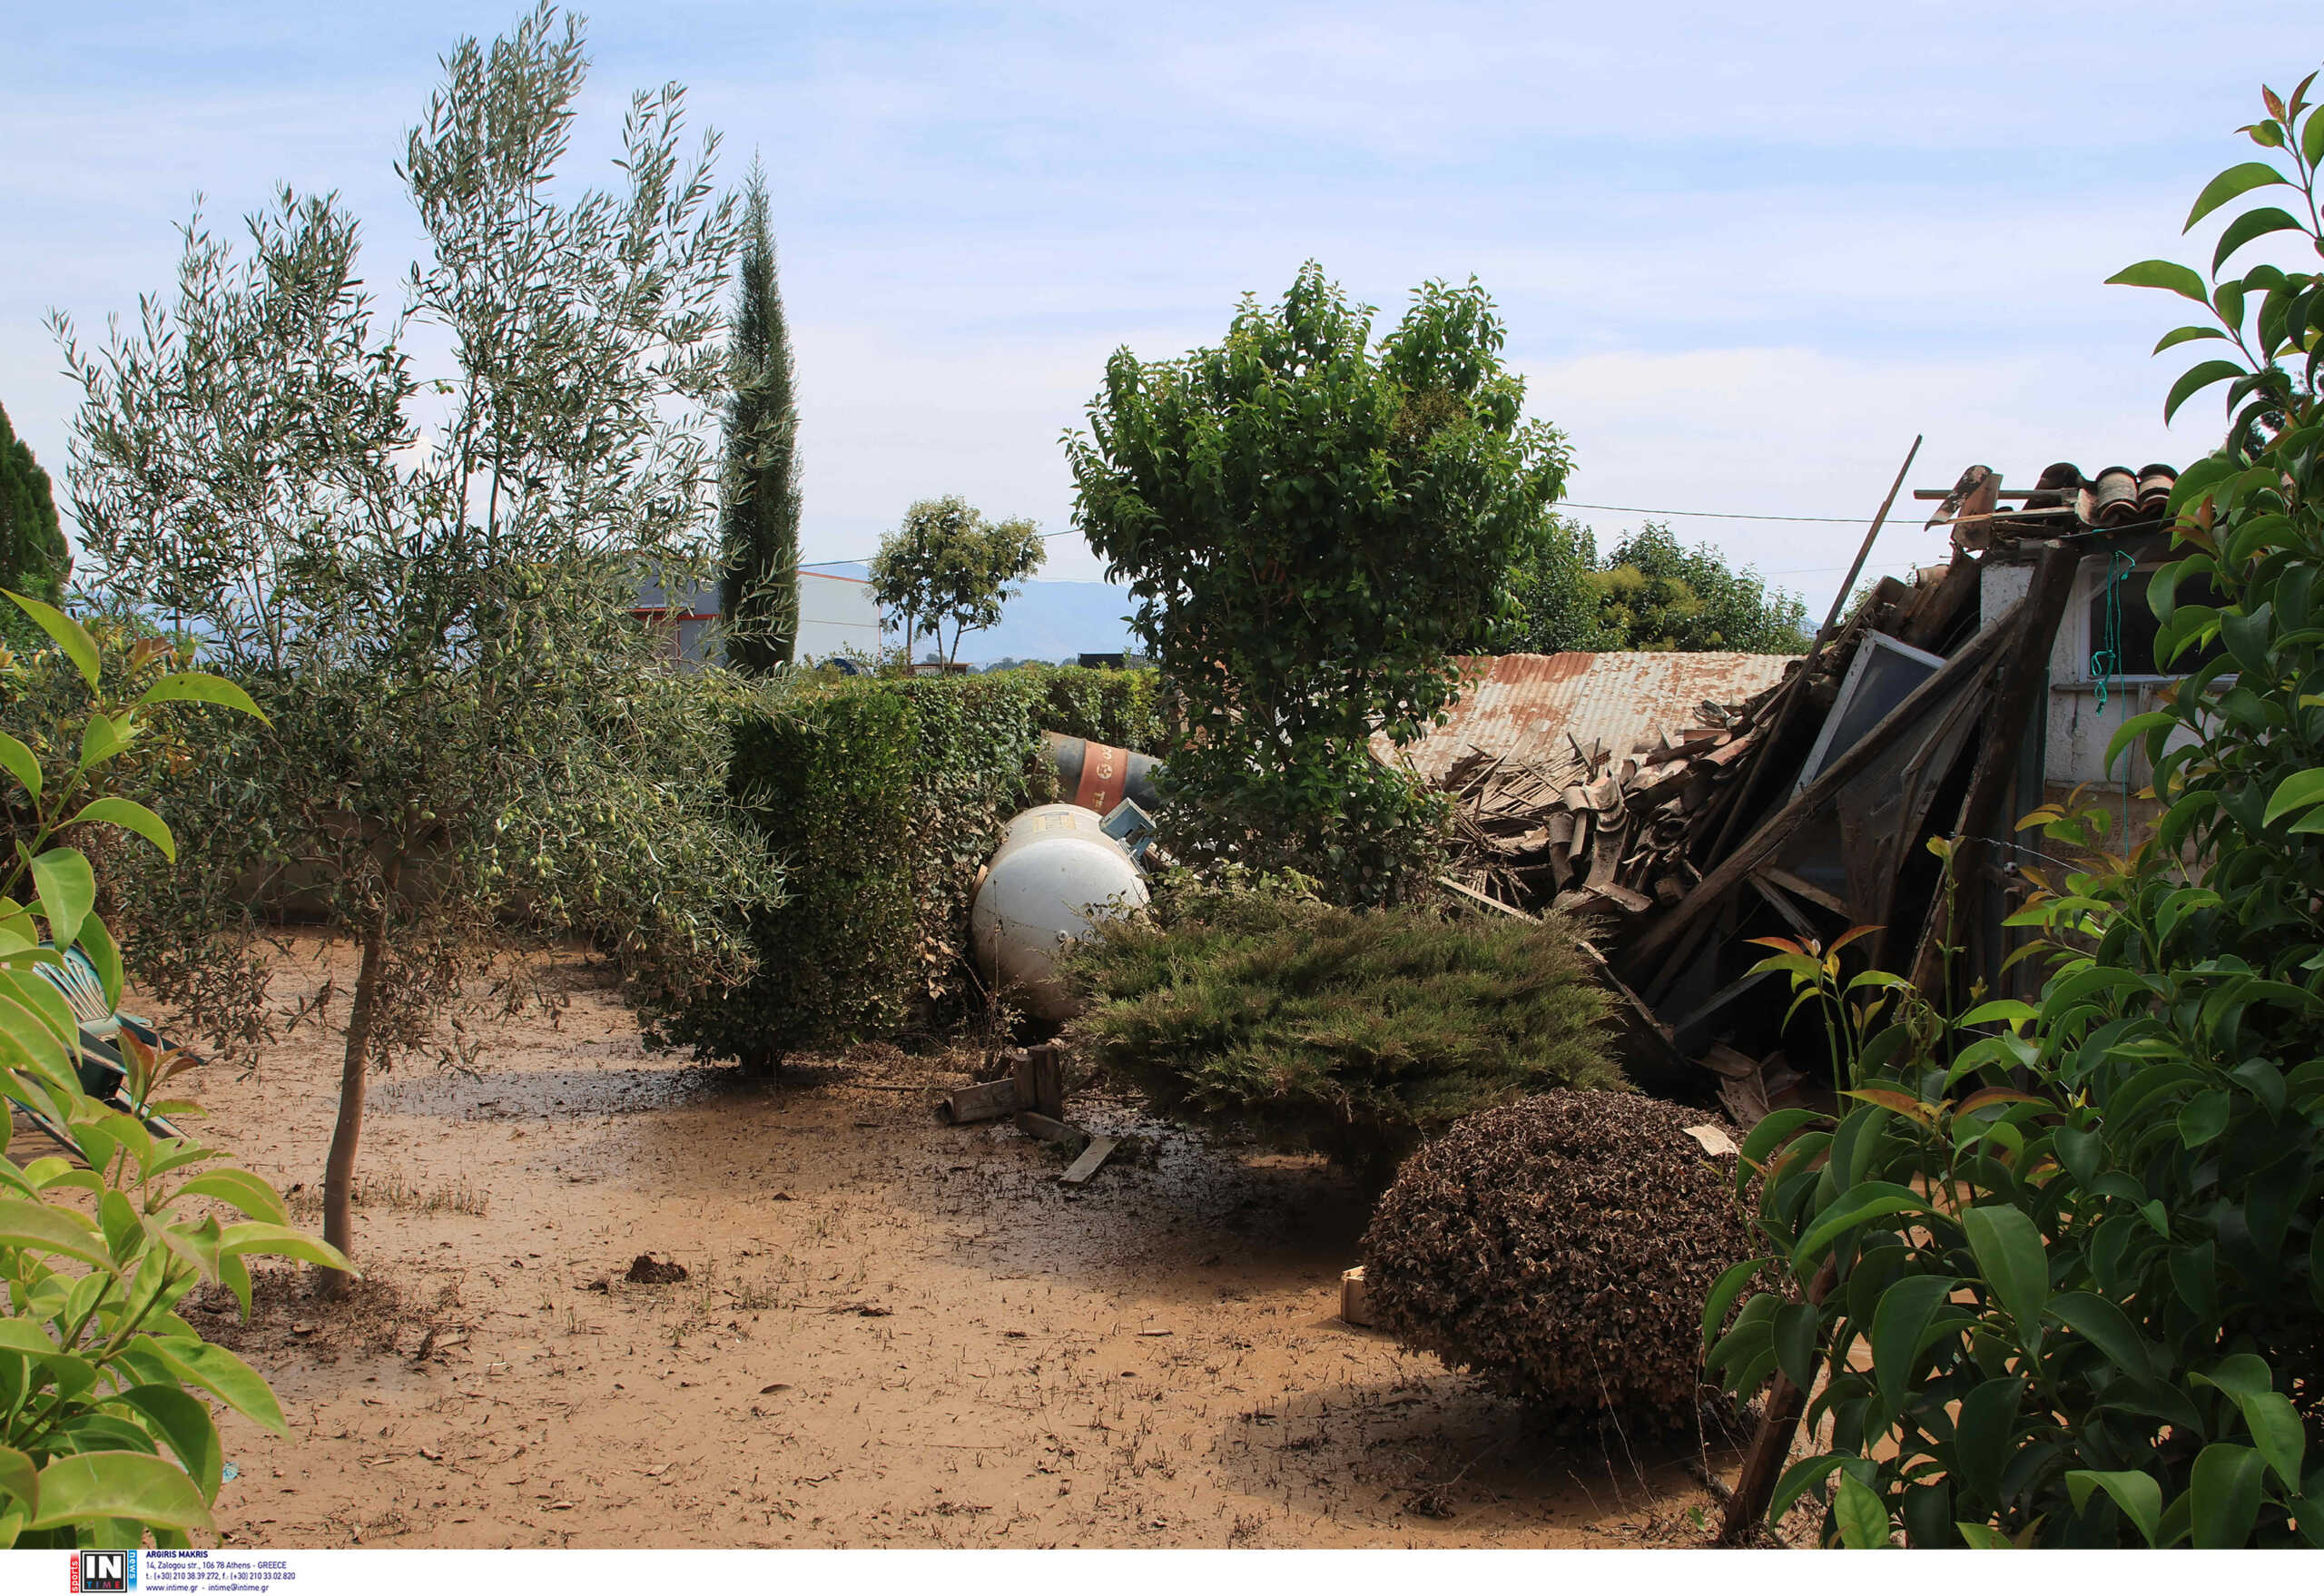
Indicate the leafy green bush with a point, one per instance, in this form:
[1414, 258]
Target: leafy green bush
[2085, 1253]
[879, 799]
[106, 1436]
[1354, 1032]
[1561, 1246]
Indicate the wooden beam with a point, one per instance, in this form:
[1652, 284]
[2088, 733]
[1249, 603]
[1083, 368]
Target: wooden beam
[994, 1099]
[1782, 904]
[1040, 1081]
[1964, 667]
[1864, 549]
[1093, 1158]
[2017, 697]
[1799, 887]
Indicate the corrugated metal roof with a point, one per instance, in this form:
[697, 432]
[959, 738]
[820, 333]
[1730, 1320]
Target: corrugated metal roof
[1528, 703]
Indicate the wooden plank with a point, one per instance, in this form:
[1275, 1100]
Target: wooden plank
[1782, 904]
[994, 1099]
[1092, 1159]
[1962, 670]
[1775, 875]
[1864, 549]
[1718, 1000]
[1042, 1127]
[1476, 897]
[1992, 778]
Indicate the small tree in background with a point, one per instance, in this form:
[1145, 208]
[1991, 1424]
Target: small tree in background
[1655, 594]
[1649, 593]
[34, 557]
[1313, 527]
[438, 635]
[759, 589]
[947, 563]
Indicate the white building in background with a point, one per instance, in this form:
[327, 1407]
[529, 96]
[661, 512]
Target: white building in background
[838, 619]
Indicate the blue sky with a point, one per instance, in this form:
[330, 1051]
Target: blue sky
[1743, 257]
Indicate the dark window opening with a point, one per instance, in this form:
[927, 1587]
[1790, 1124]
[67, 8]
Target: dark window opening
[2140, 628]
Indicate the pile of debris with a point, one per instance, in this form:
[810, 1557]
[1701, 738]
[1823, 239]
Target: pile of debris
[1583, 831]
[1685, 806]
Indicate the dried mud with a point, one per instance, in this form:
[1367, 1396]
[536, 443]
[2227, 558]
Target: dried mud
[891, 1332]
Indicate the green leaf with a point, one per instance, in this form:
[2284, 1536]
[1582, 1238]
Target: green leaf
[2137, 1495]
[132, 1485]
[1795, 1338]
[2202, 1118]
[241, 1189]
[2169, 274]
[2250, 225]
[67, 887]
[1723, 1293]
[130, 816]
[283, 1242]
[1870, 1201]
[70, 635]
[199, 687]
[184, 1422]
[219, 1373]
[2178, 335]
[1903, 1313]
[39, 1227]
[2234, 180]
[2268, 1414]
[1862, 1516]
[2009, 1252]
[20, 1478]
[20, 762]
[1984, 1538]
[2225, 1493]
[2194, 381]
[104, 954]
[2296, 790]
[2106, 1327]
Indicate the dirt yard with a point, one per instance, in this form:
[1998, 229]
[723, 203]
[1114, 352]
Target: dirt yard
[891, 1332]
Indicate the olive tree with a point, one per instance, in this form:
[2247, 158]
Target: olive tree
[1313, 526]
[413, 535]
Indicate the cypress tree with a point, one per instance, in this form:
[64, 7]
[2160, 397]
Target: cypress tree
[759, 591]
[34, 558]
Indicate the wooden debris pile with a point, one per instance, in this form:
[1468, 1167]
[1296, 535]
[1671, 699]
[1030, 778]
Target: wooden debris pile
[1589, 830]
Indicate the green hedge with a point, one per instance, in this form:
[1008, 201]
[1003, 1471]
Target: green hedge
[879, 799]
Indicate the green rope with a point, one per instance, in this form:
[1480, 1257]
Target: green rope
[2106, 663]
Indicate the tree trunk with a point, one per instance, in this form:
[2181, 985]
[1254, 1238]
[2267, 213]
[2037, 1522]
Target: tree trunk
[339, 1170]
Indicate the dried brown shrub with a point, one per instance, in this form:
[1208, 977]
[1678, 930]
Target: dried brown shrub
[1561, 1246]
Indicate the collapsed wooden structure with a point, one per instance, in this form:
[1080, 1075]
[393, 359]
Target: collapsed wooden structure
[1806, 807]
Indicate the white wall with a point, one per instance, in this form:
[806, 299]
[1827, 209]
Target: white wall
[837, 615]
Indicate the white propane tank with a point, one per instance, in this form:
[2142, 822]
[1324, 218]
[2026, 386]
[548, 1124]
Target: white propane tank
[1056, 873]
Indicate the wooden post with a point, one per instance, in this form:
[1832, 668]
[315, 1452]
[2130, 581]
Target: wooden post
[1040, 1081]
[1787, 701]
[2017, 699]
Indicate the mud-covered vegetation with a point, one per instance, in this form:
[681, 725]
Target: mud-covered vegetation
[1561, 1247]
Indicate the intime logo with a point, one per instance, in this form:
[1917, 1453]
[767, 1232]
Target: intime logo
[105, 1571]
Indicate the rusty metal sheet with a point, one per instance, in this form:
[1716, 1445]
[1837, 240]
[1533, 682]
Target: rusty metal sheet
[1528, 704]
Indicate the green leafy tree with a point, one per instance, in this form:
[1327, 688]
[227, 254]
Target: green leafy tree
[946, 563]
[2082, 1239]
[425, 584]
[34, 557]
[1650, 593]
[1554, 599]
[760, 588]
[106, 1435]
[1311, 526]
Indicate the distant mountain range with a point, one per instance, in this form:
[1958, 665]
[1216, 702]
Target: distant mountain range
[1046, 621]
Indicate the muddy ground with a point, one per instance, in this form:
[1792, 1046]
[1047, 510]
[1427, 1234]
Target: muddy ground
[891, 1332]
